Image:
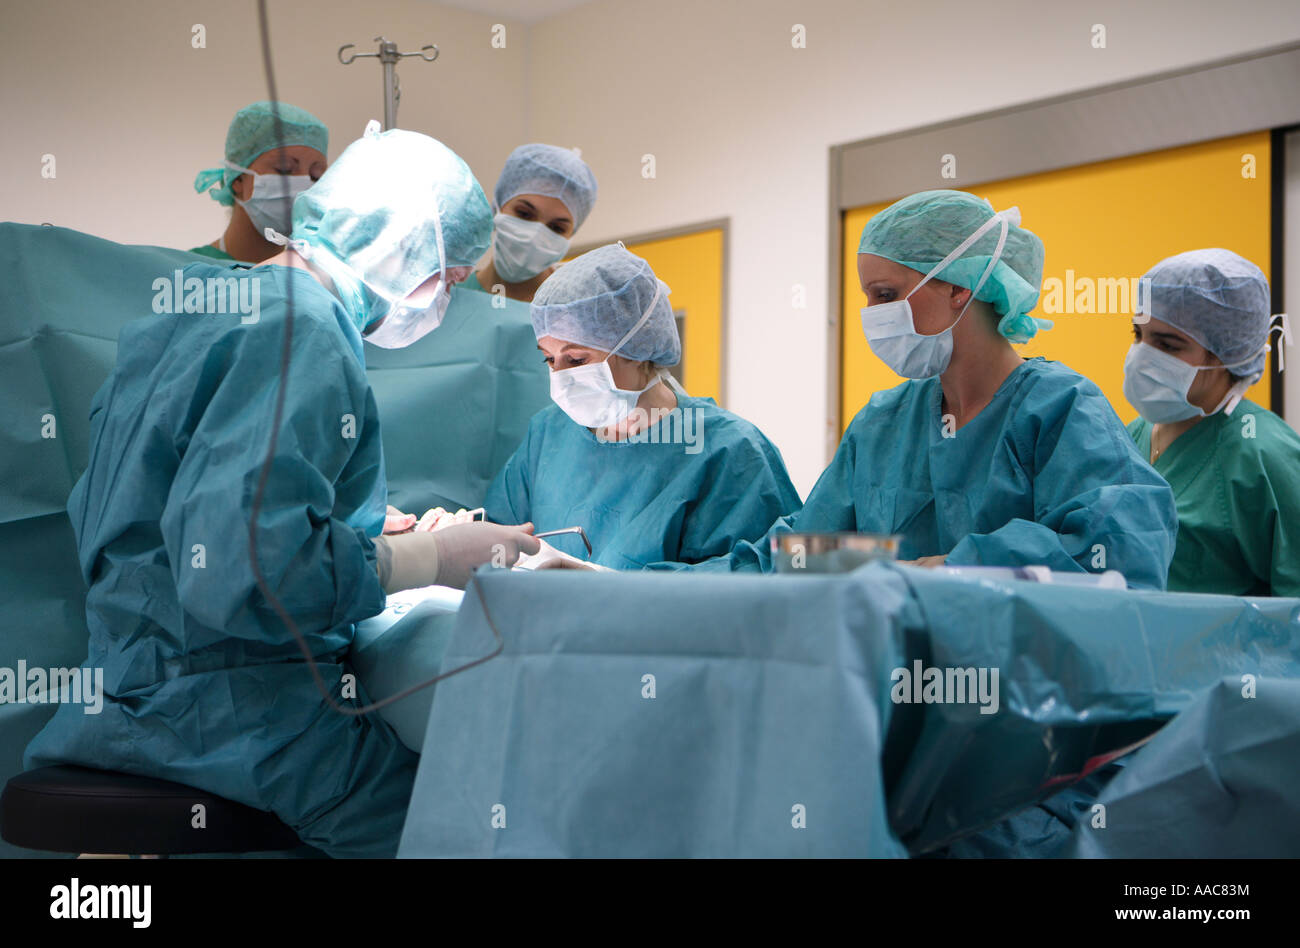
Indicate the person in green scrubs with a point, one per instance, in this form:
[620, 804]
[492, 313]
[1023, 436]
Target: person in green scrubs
[542, 197]
[265, 169]
[1201, 334]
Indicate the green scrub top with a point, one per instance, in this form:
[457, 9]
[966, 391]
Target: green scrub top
[216, 253]
[471, 283]
[1236, 481]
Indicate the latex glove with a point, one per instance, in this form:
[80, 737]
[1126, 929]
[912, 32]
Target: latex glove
[429, 521]
[464, 546]
[397, 522]
[406, 561]
[448, 557]
[567, 564]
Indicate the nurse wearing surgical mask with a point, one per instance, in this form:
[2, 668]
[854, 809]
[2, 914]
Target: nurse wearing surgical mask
[542, 197]
[1200, 338]
[649, 472]
[204, 683]
[260, 179]
[981, 457]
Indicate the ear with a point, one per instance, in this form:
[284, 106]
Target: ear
[239, 187]
[958, 296]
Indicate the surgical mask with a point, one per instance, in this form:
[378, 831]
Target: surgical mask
[891, 331]
[270, 204]
[1156, 384]
[408, 321]
[522, 249]
[421, 312]
[587, 393]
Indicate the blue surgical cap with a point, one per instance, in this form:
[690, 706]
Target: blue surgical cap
[252, 134]
[923, 228]
[594, 300]
[1218, 298]
[377, 210]
[551, 172]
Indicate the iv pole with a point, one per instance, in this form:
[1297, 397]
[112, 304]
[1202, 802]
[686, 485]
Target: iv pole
[388, 56]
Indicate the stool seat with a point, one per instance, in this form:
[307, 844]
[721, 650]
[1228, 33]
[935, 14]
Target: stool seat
[77, 810]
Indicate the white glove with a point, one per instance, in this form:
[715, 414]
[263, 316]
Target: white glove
[448, 557]
[429, 522]
[464, 546]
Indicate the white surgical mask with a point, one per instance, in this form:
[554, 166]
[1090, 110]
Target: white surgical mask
[587, 393]
[889, 327]
[422, 311]
[1156, 384]
[409, 320]
[522, 249]
[270, 203]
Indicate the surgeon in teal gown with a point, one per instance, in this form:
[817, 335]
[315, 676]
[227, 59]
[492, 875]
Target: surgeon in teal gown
[981, 457]
[649, 472]
[204, 684]
[542, 196]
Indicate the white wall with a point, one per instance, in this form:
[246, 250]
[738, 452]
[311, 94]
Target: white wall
[741, 123]
[132, 112]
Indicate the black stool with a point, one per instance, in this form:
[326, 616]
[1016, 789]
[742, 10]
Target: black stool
[76, 810]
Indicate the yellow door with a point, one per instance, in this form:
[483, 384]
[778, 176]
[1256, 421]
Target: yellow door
[1103, 225]
[692, 266]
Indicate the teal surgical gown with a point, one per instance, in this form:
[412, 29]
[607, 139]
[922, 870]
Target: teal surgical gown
[203, 683]
[640, 501]
[1236, 481]
[1044, 475]
[456, 402]
[216, 253]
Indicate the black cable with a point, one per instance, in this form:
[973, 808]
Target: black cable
[265, 473]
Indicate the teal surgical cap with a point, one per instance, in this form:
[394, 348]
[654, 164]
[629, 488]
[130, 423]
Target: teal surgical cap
[252, 134]
[551, 172]
[378, 211]
[598, 298]
[1218, 298]
[923, 228]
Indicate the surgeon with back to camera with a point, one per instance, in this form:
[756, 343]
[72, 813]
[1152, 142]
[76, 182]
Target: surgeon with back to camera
[981, 457]
[266, 168]
[648, 471]
[1200, 339]
[205, 685]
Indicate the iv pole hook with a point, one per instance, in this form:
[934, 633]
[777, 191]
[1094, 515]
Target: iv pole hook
[388, 56]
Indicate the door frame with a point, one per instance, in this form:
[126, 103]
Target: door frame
[685, 230]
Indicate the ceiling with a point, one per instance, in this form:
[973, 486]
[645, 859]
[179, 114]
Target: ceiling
[527, 11]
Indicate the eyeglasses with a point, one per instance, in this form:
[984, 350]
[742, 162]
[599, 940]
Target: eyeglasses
[578, 530]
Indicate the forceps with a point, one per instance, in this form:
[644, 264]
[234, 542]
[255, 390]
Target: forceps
[578, 530]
